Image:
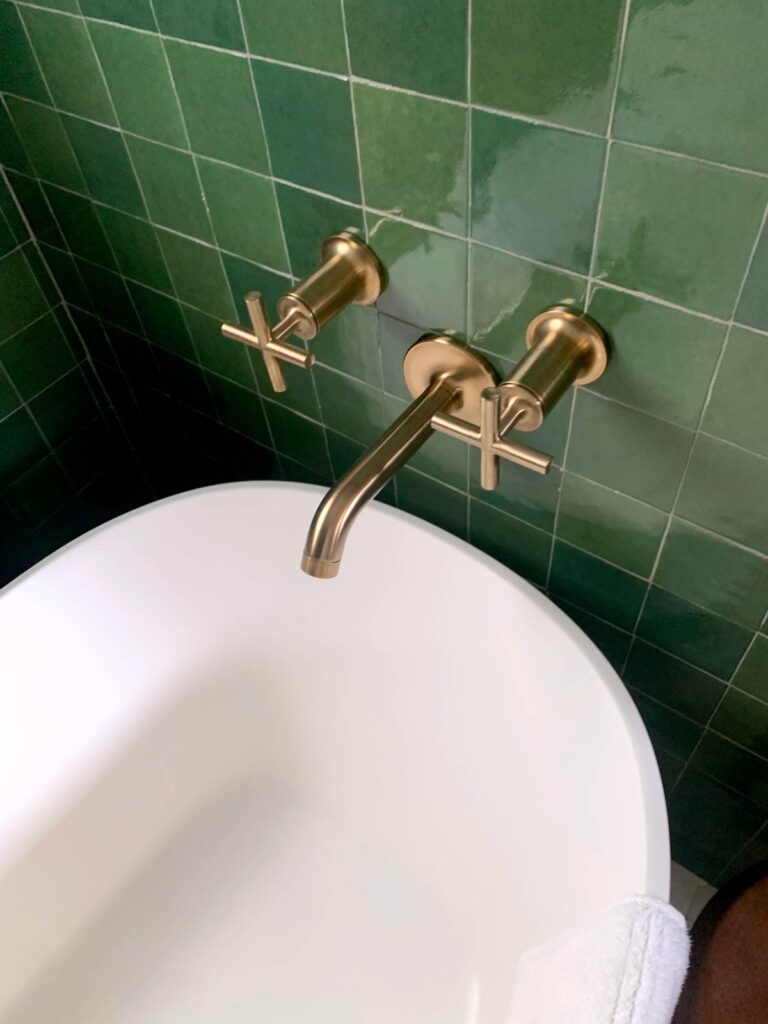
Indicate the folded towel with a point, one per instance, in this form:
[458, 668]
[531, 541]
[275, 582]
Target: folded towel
[626, 966]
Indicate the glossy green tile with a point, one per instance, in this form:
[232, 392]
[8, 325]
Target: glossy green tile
[7, 237]
[63, 408]
[139, 83]
[9, 399]
[68, 278]
[350, 343]
[21, 445]
[162, 320]
[752, 674]
[520, 547]
[244, 277]
[732, 765]
[396, 338]
[639, 455]
[239, 408]
[310, 131]
[520, 493]
[40, 492]
[415, 45]
[693, 78]
[670, 732]
[712, 572]
[351, 407]
[80, 226]
[610, 525]
[136, 248]
[46, 143]
[244, 213]
[673, 682]
[753, 305]
[217, 353]
[104, 161]
[535, 189]
[437, 504]
[596, 586]
[427, 275]
[309, 219]
[135, 357]
[216, 22]
[20, 74]
[22, 299]
[441, 457]
[308, 32]
[507, 292]
[301, 439]
[37, 212]
[678, 229]
[170, 187]
[36, 356]
[413, 155]
[743, 718]
[69, 64]
[11, 151]
[692, 633]
[300, 394]
[185, 382]
[109, 296]
[613, 642]
[136, 13]
[726, 490]
[197, 274]
[662, 359]
[670, 769]
[736, 411]
[216, 95]
[294, 471]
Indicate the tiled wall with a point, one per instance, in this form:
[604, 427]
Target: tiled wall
[501, 155]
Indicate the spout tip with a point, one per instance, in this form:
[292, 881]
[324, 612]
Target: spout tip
[320, 568]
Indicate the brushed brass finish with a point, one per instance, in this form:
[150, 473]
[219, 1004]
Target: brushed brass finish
[436, 355]
[350, 272]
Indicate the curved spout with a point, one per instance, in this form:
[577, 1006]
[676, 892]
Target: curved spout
[364, 480]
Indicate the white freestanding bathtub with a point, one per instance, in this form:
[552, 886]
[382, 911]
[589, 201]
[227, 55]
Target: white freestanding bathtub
[232, 794]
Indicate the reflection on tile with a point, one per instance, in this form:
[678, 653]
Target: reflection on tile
[736, 411]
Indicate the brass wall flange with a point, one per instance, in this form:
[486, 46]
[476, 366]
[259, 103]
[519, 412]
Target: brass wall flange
[438, 355]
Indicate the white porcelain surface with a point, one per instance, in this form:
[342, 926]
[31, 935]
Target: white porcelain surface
[232, 794]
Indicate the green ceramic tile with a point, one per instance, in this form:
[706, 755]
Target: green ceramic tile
[20, 74]
[692, 633]
[37, 212]
[244, 213]
[21, 445]
[80, 226]
[11, 151]
[219, 104]
[36, 356]
[308, 32]
[109, 296]
[614, 643]
[736, 411]
[309, 219]
[441, 457]
[520, 492]
[726, 490]
[693, 79]
[662, 359]
[350, 343]
[610, 525]
[535, 189]
[310, 131]
[427, 275]
[396, 338]
[162, 320]
[753, 305]
[135, 357]
[69, 64]
[744, 719]
[217, 353]
[426, 498]
[678, 229]
[673, 682]
[294, 471]
[136, 13]
[64, 407]
[136, 248]
[712, 572]
[137, 75]
[733, 766]
[414, 44]
[9, 399]
[596, 586]
[507, 292]
[300, 394]
[510, 541]
[22, 299]
[752, 674]
[413, 154]
[7, 237]
[670, 769]
[216, 22]
[197, 274]
[185, 382]
[171, 190]
[68, 278]
[244, 277]
[106, 167]
[299, 438]
[752, 854]
[40, 492]
[46, 143]
[670, 732]
[351, 407]
[639, 455]
[575, 91]
[239, 408]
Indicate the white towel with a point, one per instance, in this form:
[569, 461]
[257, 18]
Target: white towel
[626, 966]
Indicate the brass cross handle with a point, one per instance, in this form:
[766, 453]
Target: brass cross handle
[496, 418]
[269, 341]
